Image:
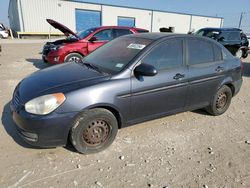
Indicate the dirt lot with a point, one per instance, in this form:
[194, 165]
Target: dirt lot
[190, 149]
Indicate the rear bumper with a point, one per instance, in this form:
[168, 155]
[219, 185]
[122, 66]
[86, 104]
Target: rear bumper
[237, 85]
[43, 131]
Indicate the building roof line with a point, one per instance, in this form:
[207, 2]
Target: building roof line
[156, 10]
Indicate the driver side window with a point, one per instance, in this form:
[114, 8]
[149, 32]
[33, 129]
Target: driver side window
[166, 55]
[104, 35]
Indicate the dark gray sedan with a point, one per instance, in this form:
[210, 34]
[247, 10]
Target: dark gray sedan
[129, 80]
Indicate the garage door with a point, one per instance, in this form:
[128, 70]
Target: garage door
[86, 19]
[126, 21]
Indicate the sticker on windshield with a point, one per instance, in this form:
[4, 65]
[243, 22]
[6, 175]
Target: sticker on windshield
[119, 65]
[136, 46]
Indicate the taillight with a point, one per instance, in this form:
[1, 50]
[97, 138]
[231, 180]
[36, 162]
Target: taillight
[241, 67]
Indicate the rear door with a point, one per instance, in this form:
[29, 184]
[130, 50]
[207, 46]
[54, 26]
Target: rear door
[102, 37]
[121, 32]
[206, 71]
[166, 91]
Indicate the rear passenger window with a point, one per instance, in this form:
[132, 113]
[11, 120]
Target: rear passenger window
[217, 53]
[165, 55]
[121, 32]
[200, 52]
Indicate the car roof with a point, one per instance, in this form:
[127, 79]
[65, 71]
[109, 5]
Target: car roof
[221, 29]
[159, 35]
[118, 27]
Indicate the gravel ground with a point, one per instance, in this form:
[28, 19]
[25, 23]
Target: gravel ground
[191, 149]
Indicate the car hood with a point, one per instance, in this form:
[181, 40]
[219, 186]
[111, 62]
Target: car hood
[60, 78]
[62, 28]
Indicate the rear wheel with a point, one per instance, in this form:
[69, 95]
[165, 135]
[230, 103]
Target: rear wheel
[93, 131]
[1, 36]
[221, 101]
[73, 58]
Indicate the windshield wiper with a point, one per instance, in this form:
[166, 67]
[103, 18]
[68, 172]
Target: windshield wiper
[94, 67]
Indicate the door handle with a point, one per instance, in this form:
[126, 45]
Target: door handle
[179, 76]
[219, 69]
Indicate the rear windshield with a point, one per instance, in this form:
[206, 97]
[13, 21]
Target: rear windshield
[216, 34]
[114, 56]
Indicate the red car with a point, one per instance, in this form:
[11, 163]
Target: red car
[78, 45]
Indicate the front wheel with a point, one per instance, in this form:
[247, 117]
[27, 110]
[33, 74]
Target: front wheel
[220, 102]
[73, 58]
[93, 131]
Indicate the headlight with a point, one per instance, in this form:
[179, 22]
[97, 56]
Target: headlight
[45, 104]
[55, 48]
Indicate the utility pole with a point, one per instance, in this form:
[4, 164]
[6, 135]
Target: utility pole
[241, 16]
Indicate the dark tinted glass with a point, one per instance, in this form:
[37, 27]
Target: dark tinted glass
[104, 35]
[199, 51]
[121, 32]
[165, 55]
[230, 35]
[115, 55]
[141, 31]
[217, 53]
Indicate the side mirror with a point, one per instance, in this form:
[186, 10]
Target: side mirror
[92, 39]
[145, 70]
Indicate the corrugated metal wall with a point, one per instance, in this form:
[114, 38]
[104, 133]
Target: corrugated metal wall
[33, 15]
[13, 16]
[36, 13]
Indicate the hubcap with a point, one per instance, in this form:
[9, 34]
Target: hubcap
[96, 133]
[221, 101]
[74, 59]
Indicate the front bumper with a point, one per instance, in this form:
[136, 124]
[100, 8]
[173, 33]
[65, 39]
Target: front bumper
[53, 59]
[44, 131]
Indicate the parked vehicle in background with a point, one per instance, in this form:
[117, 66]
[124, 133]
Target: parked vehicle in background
[248, 38]
[78, 45]
[129, 80]
[3, 32]
[232, 38]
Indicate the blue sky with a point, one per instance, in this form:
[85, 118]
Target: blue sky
[229, 9]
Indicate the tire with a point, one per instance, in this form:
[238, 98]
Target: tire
[1, 36]
[93, 131]
[239, 53]
[73, 58]
[220, 102]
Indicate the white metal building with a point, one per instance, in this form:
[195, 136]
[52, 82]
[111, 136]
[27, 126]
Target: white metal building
[31, 15]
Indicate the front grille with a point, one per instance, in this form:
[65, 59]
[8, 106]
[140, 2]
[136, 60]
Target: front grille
[16, 101]
[46, 49]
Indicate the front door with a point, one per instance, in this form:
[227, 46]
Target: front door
[165, 92]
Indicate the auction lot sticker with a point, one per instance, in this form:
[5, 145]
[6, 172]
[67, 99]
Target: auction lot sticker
[136, 46]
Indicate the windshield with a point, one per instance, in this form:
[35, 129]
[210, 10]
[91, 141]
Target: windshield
[114, 56]
[85, 33]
